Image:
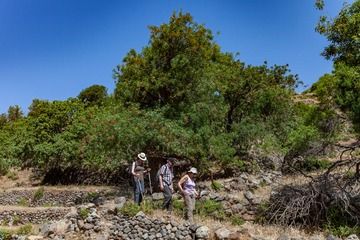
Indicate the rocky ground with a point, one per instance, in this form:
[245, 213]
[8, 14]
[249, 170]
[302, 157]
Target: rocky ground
[86, 212]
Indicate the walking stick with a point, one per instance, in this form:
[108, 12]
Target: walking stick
[150, 183]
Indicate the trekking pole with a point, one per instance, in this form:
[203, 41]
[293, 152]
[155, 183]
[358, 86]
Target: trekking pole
[150, 183]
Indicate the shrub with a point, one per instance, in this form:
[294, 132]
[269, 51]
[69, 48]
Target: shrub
[311, 164]
[237, 220]
[178, 206]
[130, 209]
[16, 219]
[210, 208]
[24, 230]
[23, 202]
[5, 234]
[84, 213]
[38, 194]
[216, 185]
[12, 175]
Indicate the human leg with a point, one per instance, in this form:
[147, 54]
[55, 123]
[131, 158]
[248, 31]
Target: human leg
[167, 198]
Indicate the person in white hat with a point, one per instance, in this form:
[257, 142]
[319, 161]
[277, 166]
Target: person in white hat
[187, 187]
[138, 172]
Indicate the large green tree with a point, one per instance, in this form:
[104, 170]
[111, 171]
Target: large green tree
[343, 33]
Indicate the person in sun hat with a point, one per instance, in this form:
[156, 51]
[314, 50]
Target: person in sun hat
[187, 187]
[166, 176]
[138, 170]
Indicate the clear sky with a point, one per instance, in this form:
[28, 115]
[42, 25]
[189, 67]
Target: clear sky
[53, 49]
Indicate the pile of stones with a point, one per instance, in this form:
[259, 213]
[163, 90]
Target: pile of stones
[142, 227]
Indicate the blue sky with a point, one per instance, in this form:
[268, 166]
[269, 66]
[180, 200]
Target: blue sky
[53, 49]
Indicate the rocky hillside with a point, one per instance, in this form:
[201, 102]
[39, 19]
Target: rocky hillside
[228, 209]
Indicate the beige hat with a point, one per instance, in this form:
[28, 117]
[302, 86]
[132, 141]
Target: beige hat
[142, 156]
[193, 170]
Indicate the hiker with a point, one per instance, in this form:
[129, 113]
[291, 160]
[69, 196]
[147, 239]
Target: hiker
[187, 188]
[166, 177]
[138, 170]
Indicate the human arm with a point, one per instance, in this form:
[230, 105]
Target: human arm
[133, 170]
[181, 182]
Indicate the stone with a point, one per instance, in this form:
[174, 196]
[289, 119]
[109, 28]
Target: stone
[332, 237]
[80, 224]
[140, 214]
[157, 196]
[204, 193]
[88, 226]
[34, 237]
[72, 213]
[236, 208]
[249, 196]
[59, 227]
[202, 232]
[119, 202]
[222, 234]
[283, 237]
[267, 180]
[352, 237]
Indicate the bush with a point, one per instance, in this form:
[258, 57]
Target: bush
[12, 175]
[130, 209]
[237, 220]
[178, 206]
[216, 185]
[38, 194]
[24, 230]
[84, 213]
[343, 231]
[311, 164]
[23, 202]
[5, 234]
[210, 208]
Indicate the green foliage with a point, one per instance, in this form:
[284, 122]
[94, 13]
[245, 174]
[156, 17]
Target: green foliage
[344, 46]
[84, 213]
[178, 206]
[130, 209]
[237, 220]
[339, 224]
[167, 71]
[343, 231]
[311, 164]
[343, 34]
[93, 95]
[38, 194]
[14, 113]
[216, 185]
[23, 202]
[24, 230]
[211, 208]
[12, 175]
[181, 96]
[17, 219]
[5, 234]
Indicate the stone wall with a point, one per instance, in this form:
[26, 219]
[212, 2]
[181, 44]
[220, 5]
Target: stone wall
[19, 217]
[51, 198]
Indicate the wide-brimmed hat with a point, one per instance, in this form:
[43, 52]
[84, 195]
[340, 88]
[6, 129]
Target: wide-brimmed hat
[142, 156]
[193, 170]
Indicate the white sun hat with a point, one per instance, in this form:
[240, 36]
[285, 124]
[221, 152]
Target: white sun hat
[193, 170]
[142, 156]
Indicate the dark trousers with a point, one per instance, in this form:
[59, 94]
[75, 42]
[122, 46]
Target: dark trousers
[167, 198]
